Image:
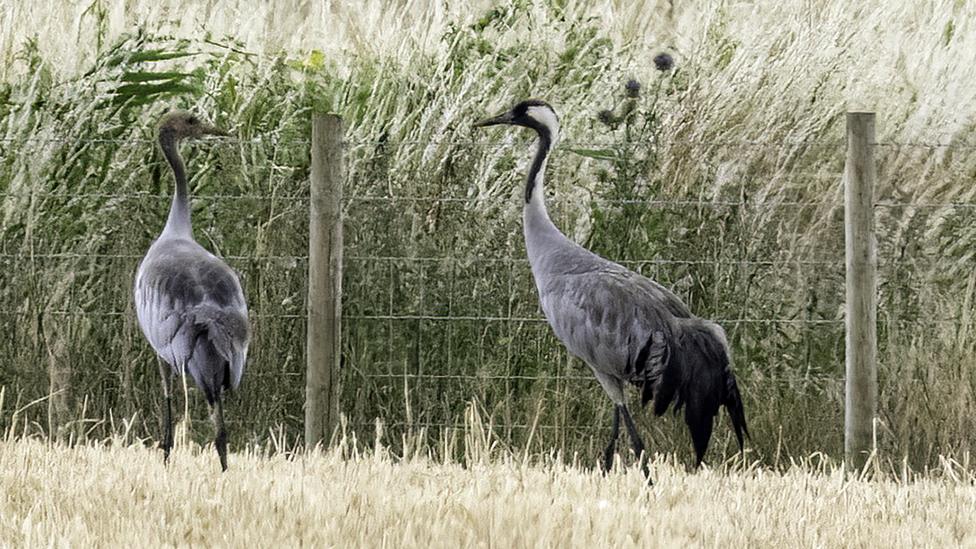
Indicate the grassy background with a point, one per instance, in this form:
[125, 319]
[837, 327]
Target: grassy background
[743, 142]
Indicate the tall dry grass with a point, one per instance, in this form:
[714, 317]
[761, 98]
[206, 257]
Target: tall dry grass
[747, 135]
[118, 493]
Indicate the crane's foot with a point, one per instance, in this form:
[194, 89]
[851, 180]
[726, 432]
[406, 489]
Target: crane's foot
[646, 472]
[166, 445]
[608, 454]
[611, 448]
[223, 459]
[638, 444]
[220, 438]
[220, 442]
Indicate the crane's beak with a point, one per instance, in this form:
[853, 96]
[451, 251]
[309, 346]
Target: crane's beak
[505, 118]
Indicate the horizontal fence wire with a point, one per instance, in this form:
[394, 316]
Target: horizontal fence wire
[587, 377]
[479, 318]
[654, 202]
[444, 318]
[565, 143]
[78, 255]
[466, 260]
[147, 196]
[634, 262]
[151, 141]
[661, 202]
[647, 202]
[396, 425]
[925, 145]
[582, 378]
[484, 318]
[947, 205]
[251, 314]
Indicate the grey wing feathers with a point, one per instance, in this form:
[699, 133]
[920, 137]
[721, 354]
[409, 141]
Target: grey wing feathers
[609, 316]
[191, 307]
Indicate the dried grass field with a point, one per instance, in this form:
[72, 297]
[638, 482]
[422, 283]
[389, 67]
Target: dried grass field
[116, 494]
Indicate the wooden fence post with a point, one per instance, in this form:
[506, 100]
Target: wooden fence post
[324, 281]
[860, 403]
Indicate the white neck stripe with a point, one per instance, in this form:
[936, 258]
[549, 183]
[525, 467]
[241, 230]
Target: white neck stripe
[545, 117]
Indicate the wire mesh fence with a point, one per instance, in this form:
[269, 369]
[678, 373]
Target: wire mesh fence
[460, 319]
[78, 216]
[439, 307]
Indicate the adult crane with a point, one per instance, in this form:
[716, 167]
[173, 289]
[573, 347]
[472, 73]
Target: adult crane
[626, 327]
[189, 302]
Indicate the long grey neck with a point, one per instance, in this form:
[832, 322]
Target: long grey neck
[541, 235]
[178, 222]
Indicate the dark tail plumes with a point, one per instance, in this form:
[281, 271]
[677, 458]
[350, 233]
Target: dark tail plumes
[733, 403]
[210, 371]
[208, 368]
[696, 374]
[212, 349]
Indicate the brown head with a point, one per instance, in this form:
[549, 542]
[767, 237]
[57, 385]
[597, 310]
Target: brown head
[179, 124]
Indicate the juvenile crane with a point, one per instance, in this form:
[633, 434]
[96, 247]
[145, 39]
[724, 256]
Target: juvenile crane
[626, 327]
[189, 302]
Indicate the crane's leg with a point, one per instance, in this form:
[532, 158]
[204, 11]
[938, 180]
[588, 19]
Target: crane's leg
[220, 438]
[699, 422]
[612, 447]
[636, 440]
[166, 373]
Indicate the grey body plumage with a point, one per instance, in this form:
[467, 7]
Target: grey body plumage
[189, 303]
[627, 328]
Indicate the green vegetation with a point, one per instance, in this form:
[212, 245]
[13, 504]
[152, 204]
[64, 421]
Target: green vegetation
[742, 142]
